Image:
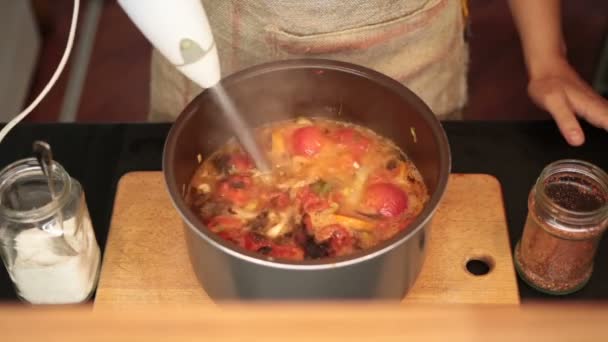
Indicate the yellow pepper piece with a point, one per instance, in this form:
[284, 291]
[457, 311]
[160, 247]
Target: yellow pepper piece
[353, 223]
[278, 143]
[251, 205]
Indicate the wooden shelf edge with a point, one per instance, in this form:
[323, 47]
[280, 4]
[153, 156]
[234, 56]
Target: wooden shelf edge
[307, 321]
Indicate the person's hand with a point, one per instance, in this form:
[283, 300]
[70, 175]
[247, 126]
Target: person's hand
[560, 90]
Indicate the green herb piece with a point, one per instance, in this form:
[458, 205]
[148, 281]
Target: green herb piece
[321, 187]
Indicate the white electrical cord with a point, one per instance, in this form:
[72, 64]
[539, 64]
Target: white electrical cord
[66, 54]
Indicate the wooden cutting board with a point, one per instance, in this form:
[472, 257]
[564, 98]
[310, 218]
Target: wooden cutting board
[146, 261]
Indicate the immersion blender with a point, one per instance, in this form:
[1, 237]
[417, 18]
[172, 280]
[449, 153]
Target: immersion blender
[180, 31]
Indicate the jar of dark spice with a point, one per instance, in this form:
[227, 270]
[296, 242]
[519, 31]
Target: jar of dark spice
[567, 215]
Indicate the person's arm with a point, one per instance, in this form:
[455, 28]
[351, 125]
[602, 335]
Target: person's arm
[554, 85]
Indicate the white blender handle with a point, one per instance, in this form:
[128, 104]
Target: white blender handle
[180, 31]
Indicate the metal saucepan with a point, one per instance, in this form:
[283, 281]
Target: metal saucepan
[309, 87]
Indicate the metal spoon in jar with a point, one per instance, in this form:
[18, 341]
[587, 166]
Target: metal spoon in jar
[43, 153]
[55, 226]
[45, 159]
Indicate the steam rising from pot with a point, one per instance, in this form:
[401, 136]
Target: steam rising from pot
[240, 128]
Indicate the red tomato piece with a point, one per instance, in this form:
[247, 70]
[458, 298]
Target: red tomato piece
[340, 239]
[224, 222]
[307, 141]
[311, 202]
[289, 251]
[385, 198]
[255, 242]
[241, 162]
[313, 205]
[279, 200]
[237, 189]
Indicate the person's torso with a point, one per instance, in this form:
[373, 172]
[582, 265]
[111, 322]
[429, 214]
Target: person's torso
[416, 42]
[251, 32]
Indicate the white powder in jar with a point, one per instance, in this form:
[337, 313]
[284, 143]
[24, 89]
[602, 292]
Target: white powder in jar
[56, 270]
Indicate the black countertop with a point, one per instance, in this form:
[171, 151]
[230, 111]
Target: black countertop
[514, 152]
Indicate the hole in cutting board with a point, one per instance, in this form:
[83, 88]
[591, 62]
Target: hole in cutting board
[480, 266]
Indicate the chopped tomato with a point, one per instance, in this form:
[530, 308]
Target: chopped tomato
[386, 199]
[258, 243]
[353, 140]
[241, 162]
[224, 222]
[236, 189]
[340, 239]
[289, 251]
[275, 199]
[311, 202]
[228, 228]
[307, 141]
[279, 200]
[255, 242]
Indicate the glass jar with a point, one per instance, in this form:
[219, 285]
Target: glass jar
[567, 215]
[47, 244]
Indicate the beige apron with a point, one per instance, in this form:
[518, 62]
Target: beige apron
[420, 43]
